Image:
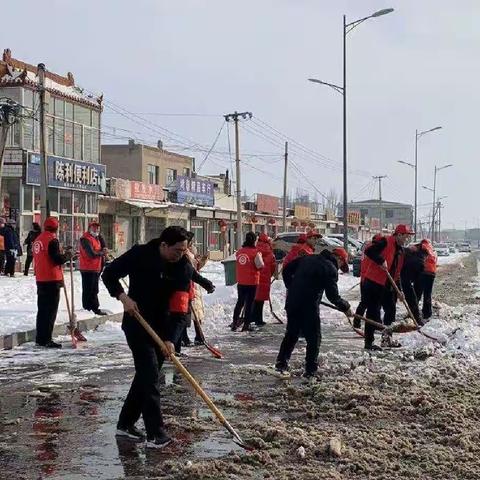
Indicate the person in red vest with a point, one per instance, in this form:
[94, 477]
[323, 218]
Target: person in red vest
[385, 254]
[48, 260]
[249, 264]
[424, 285]
[305, 245]
[262, 294]
[91, 257]
[362, 307]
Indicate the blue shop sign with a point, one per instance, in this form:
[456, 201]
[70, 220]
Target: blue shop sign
[195, 191]
[67, 173]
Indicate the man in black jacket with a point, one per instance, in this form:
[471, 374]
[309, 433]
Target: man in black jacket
[159, 276]
[32, 235]
[306, 278]
[12, 247]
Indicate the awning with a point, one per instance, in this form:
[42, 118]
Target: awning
[145, 204]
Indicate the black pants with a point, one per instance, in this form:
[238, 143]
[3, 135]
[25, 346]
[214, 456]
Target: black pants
[183, 337]
[90, 290]
[9, 264]
[424, 286]
[376, 296]
[361, 309]
[246, 297]
[411, 298]
[307, 324]
[143, 398]
[48, 296]
[2, 260]
[28, 262]
[257, 312]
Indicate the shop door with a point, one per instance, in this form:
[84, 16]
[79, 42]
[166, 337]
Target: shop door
[122, 232]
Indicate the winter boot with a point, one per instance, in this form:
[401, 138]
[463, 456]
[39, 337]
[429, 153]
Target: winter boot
[132, 433]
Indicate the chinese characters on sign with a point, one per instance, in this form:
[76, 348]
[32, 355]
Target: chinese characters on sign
[67, 173]
[145, 191]
[195, 190]
[353, 217]
[302, 212]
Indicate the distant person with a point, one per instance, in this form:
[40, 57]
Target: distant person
[12, 247]
[2, 244]
[48, 259]
[91, 261]
[305, 245]
[249, 263]
[262, 294]
[31, 237]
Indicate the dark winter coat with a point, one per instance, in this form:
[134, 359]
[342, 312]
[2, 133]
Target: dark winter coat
[307, 278]
[413, 265]
[12, 241]
[153, 284]
[31, 237]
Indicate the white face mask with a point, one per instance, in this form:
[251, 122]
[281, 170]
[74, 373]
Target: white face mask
[94, 233]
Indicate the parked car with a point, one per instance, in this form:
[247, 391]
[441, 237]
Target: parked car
[352, 250]
[451, 248]
[442, 249]
[464, 247]
[283, 242]
[357, 260]
[353, 242]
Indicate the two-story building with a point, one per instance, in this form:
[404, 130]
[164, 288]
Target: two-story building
[75, 175]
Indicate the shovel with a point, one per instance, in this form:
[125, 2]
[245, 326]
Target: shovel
[216, 353]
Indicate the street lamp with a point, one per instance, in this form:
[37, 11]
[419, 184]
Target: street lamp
[415, 167]
[347, 28]
[435, 171]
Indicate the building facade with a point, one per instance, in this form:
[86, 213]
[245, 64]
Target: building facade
[75, 175]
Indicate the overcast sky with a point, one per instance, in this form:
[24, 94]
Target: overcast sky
[415, 68]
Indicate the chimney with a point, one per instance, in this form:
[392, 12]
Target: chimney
[160, 145]
[131, 143]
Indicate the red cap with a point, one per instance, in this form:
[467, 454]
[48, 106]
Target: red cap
[51, 223]
[403, 230]
[313, 233]
[94, 223]
[343, 255]
[302, 238]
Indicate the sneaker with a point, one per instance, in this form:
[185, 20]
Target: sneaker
[159, 441]
[132, 433]
[100, 312]
[374, 348]
[52, 344]
[248, 328]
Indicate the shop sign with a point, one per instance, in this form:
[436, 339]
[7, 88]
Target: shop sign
[145, 191]
[195, 190]
[353, 217]
[122, 188]
[68, 174]
[203, 214]
[375, 223]
[267, 204]
[301, 212]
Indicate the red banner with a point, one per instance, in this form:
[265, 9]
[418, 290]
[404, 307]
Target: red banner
[267, 204]
[145, 191]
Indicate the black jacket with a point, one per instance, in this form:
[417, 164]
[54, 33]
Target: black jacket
[413, 265]
[31, 237]
[11, 238]
[152, 284]
[307, 278]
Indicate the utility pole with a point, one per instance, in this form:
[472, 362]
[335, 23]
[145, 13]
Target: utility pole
[285, 189]
[43, 108]
[380, 178]
[234, 116]
[9, 115]
[439, 221]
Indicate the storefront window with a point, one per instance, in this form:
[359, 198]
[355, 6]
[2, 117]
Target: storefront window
[92, 203]
[78, 229]
[69, 139]
[78, 202]
[198, 227]
[214, 236]
[65, 231]
[36, 198]
[77, 142]
[65, 201]
[53, 199]
[59, 137]
[27, 198]
[50, 133]
[27, 221]
[154, 227]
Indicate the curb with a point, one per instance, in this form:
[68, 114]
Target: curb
[12, 340]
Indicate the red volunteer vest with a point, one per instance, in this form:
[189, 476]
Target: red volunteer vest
[45, 269]
[88, 264]
[294, 252]
[431, 263]
[247, 272]
[375, 272]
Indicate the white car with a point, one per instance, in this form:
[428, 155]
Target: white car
[464, 247]
[442, 250]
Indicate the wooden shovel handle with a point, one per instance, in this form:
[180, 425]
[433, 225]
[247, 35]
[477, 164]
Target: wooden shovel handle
[400, 294]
